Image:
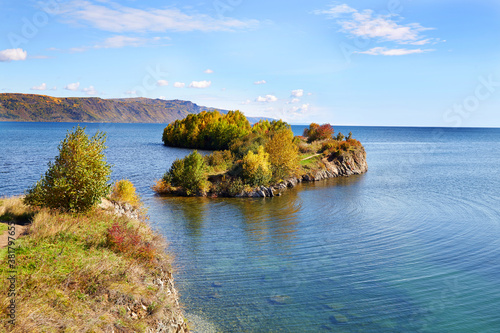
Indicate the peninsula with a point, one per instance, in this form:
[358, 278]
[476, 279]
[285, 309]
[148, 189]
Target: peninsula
[254, 161]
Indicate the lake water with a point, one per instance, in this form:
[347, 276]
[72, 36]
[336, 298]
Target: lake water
[412, 245]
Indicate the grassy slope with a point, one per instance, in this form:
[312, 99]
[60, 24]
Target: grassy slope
[70, 278]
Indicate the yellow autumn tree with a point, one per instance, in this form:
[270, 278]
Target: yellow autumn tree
[255, 168]
[283, 154]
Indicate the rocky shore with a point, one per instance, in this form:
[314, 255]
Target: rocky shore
[172, 320]
[352, 163]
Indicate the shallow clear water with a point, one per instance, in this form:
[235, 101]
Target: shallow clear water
[412, 245]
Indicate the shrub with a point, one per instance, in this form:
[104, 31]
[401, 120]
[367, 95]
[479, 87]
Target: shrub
[188, 173]
[340, 136]
[124, 192]
[317, 132]
[161, 187]
[220, 160]
[124, 239]
[255, 168]
[78, 178]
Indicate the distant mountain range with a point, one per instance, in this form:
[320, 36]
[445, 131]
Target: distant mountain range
[41, 108]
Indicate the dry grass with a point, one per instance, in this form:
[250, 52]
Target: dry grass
[71, 279]
[14, 209]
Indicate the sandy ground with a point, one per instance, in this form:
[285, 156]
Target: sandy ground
[4, 238]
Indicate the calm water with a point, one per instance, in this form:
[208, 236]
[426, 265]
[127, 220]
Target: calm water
[413, 245]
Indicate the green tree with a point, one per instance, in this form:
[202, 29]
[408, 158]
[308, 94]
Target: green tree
[188, 173]
[79, 176]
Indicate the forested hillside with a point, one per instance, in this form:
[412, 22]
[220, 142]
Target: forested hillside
[28, 107]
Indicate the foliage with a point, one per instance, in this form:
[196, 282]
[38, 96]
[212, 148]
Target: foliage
[317, 132]
[334, 146]
[265, 127]
[251, 142]
[161, 187]
[124, 192]
[283, 154]
[219, 160]
[78, 178]
[255, 168]
[125, 239]
[188, 173]
[206, 130]
[340, 136]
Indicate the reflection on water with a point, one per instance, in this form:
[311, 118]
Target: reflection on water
[411, 246]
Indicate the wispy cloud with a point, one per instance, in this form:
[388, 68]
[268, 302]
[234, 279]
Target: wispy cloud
[208, 71]
[42, 87]
[179, 84]
[260, 82]
[162, 83]
[117, 42]
[111, 16]
[381, 28]
[13, 55]
[200, 84]
[392, 52]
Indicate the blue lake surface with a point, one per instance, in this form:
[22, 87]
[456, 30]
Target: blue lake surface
[412, 245]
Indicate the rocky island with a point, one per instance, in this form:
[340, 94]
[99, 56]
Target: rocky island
[254, 161]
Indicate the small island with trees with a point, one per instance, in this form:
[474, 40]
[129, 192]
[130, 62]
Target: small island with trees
[253, 161]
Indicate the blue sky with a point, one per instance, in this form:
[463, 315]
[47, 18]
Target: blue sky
[392, 62]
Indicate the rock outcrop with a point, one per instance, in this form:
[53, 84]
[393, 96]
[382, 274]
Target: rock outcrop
[345, 164]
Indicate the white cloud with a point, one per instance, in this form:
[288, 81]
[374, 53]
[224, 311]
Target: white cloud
[200, 84]
[72, 86]
[162, 83]
[54, 88]
[309, 94]
[246, 102]
[392, 52]
[13, 55]
[298, 93]
[111, 16]
[179, 85]
[295, 100]
[208, 71]
[260, 82]
[43, 86]
[266, 99]
[366, 24]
